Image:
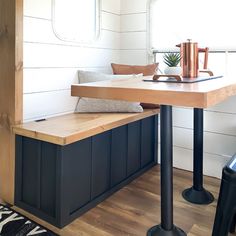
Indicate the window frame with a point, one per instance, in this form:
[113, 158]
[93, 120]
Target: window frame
[97, 26]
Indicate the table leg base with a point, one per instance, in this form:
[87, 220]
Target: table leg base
[198, 196]
[159, 231]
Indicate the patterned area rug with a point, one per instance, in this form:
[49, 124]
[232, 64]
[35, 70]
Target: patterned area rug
[14, 224]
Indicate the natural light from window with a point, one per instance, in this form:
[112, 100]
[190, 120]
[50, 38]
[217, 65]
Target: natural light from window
[76, 20]
[208, 22]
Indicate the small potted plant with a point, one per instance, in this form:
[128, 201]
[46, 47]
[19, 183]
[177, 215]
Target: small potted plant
[172, 60]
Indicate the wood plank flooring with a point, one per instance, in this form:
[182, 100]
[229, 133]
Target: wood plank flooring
[135, 208]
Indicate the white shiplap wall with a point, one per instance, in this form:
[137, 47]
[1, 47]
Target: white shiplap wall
[50, 65]
[133, 32]
[220, 121]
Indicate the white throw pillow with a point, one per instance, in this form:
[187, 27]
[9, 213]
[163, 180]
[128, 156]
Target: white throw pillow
[91, 76]
[104, 105]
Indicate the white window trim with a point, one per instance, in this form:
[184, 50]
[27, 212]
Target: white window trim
[149, 47]
[98, 26]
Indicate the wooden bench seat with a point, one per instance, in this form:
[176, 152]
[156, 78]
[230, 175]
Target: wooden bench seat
[68, 164]
[67, 129]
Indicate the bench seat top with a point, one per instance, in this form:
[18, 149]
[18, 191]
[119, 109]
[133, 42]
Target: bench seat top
[67, 129]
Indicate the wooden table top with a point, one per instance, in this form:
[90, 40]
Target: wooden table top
[200, 95]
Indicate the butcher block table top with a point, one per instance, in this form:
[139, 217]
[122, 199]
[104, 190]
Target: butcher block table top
[199, 95]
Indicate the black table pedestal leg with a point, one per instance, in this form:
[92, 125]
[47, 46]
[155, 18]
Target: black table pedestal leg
[166, 228]
[197, 194]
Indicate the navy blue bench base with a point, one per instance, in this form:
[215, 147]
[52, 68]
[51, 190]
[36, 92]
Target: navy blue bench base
[59, 183]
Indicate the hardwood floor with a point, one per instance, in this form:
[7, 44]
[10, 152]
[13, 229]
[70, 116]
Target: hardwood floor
[135, 208]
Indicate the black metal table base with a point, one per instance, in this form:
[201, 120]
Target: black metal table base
[197, 194]
[166, 228]
[159, 231]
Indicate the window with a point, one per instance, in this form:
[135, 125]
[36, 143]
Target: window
[208, 22]
[76, 20]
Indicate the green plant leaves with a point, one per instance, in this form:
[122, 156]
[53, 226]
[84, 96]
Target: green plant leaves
[172, 59]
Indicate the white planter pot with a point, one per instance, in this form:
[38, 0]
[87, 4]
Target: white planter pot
[177, 70]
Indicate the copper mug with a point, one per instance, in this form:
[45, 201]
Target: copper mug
[190, 59]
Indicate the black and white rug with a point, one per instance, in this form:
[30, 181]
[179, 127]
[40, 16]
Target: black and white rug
[14, 224]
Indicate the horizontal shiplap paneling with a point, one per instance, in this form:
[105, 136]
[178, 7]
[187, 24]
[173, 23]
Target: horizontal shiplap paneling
[133, 6]
[228, 106]
[51, 65]
[133, 40]
[219, 144]
[111, 6]
[44, 34]
[108, 40]
[38, 8]
[42, 80]
[51, 79]
[133, 22]
[43, 105]
[133, 32]
[218, 122]
[47, 55]
[133, 57]
[219, 139]
[110, 21]
[213, 164]
[214, 143]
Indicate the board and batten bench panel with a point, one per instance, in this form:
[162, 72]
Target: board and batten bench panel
[58, 183]
[101, 151]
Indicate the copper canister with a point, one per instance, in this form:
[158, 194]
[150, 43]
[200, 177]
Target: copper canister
[189, 59]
